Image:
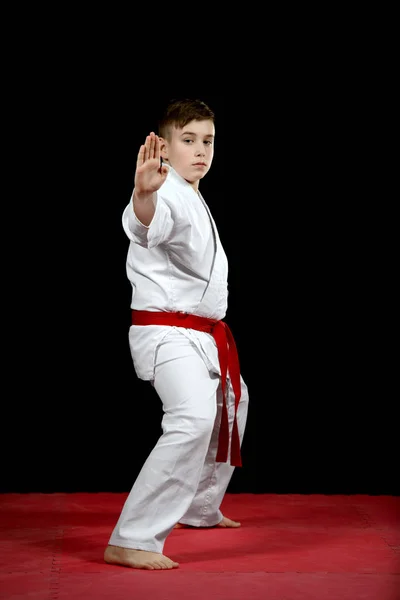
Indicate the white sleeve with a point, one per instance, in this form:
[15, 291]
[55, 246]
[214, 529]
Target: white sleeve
[157, 232]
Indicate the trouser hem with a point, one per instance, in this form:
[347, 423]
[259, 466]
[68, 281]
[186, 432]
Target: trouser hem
[133, 546]
[199, 523]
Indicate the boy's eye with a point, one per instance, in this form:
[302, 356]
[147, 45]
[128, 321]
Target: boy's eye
[208, 142]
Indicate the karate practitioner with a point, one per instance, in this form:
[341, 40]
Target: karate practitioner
[179, 342]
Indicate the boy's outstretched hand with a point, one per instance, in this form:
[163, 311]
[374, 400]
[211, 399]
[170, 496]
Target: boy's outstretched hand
[150, 175]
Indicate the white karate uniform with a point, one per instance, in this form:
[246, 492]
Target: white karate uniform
[178, 264]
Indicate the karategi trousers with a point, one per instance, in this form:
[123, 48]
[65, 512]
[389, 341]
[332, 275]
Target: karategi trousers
[181, 480]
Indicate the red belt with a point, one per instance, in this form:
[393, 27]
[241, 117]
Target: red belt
[228, 361]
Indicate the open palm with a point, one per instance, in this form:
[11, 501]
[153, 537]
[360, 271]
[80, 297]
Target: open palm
[149, 175]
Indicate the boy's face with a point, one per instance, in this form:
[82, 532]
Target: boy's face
[190, 150]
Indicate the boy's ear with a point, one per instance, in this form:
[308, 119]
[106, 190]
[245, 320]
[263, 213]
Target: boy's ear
[163, 148]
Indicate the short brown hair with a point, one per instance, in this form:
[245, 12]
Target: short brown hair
[179, 113]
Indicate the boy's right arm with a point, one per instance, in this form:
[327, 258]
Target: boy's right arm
[149, 177]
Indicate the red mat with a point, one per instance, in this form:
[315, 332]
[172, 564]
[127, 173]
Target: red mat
[289, 547]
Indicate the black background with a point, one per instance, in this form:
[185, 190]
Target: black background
[310, 294]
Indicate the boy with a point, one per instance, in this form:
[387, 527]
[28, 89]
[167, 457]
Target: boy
[178, 340]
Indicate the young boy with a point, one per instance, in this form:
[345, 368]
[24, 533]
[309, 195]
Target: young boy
[178, 340]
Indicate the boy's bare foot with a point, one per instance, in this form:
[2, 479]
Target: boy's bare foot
[138, 559]
[224, 523]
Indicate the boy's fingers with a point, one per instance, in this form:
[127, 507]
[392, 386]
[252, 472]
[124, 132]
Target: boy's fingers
[157, 147]
[146, 147]
[149, 150]
[140, 156]
[151, 145]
